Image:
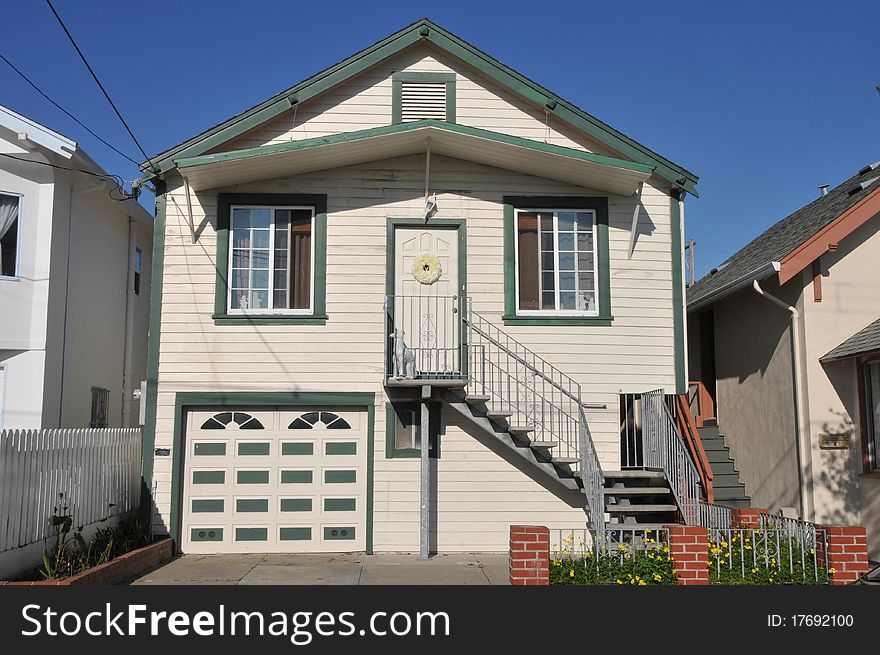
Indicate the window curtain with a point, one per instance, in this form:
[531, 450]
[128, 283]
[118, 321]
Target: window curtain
[527, 233]
[301, 260]
[8, 216]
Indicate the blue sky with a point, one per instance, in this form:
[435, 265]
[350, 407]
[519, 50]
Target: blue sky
[763, 100]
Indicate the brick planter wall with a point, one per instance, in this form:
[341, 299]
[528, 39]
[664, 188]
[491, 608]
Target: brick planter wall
[689, 547]
[529, 555]
[847, 551]
[125, 567]
[747, 518]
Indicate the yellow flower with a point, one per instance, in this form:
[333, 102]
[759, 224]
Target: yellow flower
[622, 548]
[619, 581]
[832, 570]
[754, 570]
[812, 551]
[642, 583]
[658, 577]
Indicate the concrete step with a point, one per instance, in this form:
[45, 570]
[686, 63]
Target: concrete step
[708, 431]
[726, 480]
[640, 509]
[476, 399]
[633, 473]
[637, 491]
[565, 460]
[520, 429]
[498, 415]
[723, 467]
[546, 445]
[741, 503]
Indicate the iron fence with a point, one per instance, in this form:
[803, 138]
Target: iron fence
[425, 338]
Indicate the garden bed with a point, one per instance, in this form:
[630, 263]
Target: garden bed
[121, 569]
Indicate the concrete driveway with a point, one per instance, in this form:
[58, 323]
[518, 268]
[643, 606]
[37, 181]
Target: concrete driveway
[331, 568]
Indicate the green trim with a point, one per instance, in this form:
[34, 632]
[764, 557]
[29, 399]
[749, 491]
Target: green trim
[422, 30]
[158, 267]
[599, 204]
[252, 477]
[400, 128]
[339, 533]
[253, 449]
[210, 506]
[340, 477]
[340, 504]
[391, 452]
[296, 504]
[248, 505]
[457, 223]
[296, 477]
[212, 449]
[597, 321]
[398, 79]
[185, 400]
[295, 449]
[678, 307]
[295, 534]
[206, 534]
[221, 266]
[340, 448]
[251, 534]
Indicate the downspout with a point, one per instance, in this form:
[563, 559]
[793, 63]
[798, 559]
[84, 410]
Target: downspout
[129, 328]
[802, 444]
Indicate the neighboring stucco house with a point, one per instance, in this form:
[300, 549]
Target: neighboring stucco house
[800, 415]
[74, 285]
[335, 264]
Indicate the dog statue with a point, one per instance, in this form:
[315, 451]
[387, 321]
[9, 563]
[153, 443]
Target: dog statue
[403, 359]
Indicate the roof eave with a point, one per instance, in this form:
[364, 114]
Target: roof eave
[762, 272]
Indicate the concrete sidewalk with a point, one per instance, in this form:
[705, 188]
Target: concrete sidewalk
[331, 569]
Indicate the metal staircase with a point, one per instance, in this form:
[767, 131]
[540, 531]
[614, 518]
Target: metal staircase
[532, 414]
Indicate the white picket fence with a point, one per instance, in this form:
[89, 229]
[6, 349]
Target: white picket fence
[98, 471]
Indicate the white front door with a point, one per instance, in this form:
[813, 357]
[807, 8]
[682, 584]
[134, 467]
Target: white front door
[427, 297]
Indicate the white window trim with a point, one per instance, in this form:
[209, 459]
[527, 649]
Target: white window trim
[4, 373]
[554, 312]
[17, 276]
[270, 311]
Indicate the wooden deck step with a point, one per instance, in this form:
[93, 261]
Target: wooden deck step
[640, 509]
[637, 491]
[543, 444]
[565, 460]
[520, 428]
[476, 399]
[496, 415]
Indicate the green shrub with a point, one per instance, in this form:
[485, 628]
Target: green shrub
[649, 563]
[759, 558]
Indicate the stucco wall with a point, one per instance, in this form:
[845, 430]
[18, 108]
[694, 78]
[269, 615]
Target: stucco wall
[850, 301]
[755, 401]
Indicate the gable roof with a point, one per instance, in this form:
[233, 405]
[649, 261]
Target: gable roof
[36, 133]
[864, 341]
[761, 257]
[422, 30]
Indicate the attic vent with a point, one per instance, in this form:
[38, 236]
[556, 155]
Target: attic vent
[869, 168]
[421, 101]
[421, 96]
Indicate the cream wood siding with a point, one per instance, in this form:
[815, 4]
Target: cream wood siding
[634, 354]
[365, 102]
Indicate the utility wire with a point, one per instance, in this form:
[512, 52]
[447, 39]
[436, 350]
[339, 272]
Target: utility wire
[102, 176]
[98, 82]
[81, 124]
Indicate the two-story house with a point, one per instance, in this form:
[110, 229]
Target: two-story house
[75, 260]
[396, 305]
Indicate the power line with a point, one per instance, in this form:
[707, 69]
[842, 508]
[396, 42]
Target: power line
[105, 176]
[81, 124]
[97, 81]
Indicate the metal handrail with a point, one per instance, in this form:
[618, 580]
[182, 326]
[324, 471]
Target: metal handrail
[537, 395]
[664, 449]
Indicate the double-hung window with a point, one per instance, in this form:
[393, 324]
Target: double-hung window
[10, 213]
[271, 260]
[557, 262]
[872, 411]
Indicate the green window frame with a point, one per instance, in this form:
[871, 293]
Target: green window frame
[598, 205]
[391, 409]
[318, 314]
[398, 80]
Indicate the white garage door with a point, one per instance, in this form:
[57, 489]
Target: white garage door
[275, 481]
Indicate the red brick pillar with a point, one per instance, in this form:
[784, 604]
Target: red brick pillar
[847, 551]
[689, 547]
[529, 555]
[747, 518]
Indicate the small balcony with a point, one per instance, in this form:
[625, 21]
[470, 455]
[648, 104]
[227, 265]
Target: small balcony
[426, 341]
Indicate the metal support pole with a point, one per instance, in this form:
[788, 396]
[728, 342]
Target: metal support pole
[424, 508]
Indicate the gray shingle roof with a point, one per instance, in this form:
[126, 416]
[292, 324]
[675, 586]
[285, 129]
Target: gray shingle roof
[862, 341]
[785, 236]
